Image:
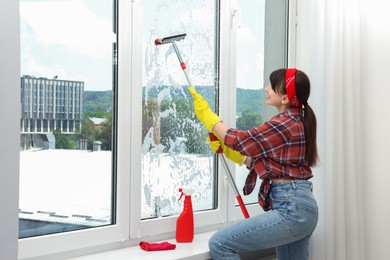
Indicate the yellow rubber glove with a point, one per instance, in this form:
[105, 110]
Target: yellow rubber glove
[203, 111]
[232, 155]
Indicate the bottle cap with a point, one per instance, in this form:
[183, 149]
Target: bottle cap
[186, 191]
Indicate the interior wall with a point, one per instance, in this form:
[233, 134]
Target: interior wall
[9, 128]
[376, 118]
[375, 92]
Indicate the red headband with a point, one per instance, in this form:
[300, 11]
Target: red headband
[290, 87]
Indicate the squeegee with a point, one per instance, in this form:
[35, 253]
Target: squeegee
[173, 39]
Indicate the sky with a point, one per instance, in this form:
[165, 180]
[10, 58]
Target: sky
[250, 43]
[72, 39]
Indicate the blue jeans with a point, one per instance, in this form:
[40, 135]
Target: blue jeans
[288, 226]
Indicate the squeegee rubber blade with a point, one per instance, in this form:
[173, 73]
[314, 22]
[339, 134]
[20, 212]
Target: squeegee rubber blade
[173, 38]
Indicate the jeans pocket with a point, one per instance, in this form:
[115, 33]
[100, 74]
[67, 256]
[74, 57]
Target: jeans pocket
[305, 201]
[304, 218]
[308, 208]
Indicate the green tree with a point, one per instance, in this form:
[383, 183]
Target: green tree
[184, 124]
[179, 120]
[63, 141]
[104, 135]
[248, 120]
[87, 132]
[98, 113]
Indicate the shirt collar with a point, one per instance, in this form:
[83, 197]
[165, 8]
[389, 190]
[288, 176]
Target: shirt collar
[291, 112]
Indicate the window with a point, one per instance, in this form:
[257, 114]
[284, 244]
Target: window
[65, 182]
[151, 142]
[174, 150]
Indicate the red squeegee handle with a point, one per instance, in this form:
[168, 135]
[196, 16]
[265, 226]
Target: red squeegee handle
[242, 206]
[230, 177]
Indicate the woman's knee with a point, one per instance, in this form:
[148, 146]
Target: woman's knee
[214, 243]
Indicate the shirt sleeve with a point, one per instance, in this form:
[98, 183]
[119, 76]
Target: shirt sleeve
[265, 140]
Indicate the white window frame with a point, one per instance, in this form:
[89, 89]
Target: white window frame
[129, 227]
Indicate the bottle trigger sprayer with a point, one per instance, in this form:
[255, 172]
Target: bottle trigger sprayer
[185, 222]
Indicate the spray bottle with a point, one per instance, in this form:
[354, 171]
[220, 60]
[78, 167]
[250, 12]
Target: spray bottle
[185, 222]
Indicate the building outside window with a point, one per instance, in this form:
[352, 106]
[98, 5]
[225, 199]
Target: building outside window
[43, 117]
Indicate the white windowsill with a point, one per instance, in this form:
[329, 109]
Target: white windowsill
[197, 250]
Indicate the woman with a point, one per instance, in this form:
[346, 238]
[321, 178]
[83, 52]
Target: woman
[280, 152]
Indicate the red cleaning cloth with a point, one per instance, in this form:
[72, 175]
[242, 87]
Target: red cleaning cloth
[156, 246]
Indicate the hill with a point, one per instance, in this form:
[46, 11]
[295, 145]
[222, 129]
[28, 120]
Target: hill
[95, 101]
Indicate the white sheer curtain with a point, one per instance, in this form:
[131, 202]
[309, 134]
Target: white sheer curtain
[335, 67]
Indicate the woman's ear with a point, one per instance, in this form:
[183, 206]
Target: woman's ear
[285, 100]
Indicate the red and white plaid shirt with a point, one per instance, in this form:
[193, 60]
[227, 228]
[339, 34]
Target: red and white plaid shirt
[277, 149]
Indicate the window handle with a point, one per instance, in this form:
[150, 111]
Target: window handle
[236, 16]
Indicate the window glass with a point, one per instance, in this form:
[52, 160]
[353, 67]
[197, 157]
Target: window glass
[261, 45]
[174, 149]
[67, 83]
